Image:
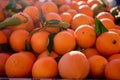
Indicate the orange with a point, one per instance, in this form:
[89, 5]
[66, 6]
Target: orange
[49, 7]
[97, 65]
[3, 38]
[3, 59]
[64, 8]
[52, 16]
[85, 36]
[81, 19]
[80, 3]
[2, 15]
[89, 52]
[59, 2]
[92, 2]
[72, 12]
[29, 54]
[73, 65]
[38, 4]
[108, 43]
[115, 30]
[112, 70]
[74, 5]
[117, 27]
[7, 32]
[19, 65]
[108, 23]
[85, 9]
[64, 42]
[47, 54]
[39, 41]
[105, 15]
[27, 22]
[18, 38]
[33, 12]
[66, 17]
[45, 67]
[114, 56]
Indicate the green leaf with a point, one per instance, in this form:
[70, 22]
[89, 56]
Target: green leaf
[11, 5]
[42, 17]
[99, 27]
[50, 45]
[10, 22]
[28, 46]
[53, 22]
[22, 3]
[56, 24]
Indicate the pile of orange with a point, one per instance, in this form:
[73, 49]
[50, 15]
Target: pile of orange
[59, 39]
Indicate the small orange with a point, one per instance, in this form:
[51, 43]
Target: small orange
[85, 36]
